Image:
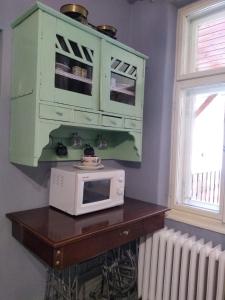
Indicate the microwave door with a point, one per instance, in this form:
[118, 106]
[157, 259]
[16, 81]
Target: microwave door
[99, 190]
[96, 190]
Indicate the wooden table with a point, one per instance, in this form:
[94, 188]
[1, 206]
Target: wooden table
[62, 240]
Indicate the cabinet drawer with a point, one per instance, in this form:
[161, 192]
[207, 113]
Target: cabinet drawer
[133, 124]
[56, 113]
[86, 117]
[100, 243]
[112, 121]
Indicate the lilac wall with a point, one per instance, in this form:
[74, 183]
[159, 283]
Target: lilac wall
[154, 34]
[147, 26]
[22, 276]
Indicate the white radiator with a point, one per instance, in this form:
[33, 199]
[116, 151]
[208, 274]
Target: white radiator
[174, 266]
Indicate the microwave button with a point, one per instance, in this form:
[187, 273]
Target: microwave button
[120, 192]
[120, 179]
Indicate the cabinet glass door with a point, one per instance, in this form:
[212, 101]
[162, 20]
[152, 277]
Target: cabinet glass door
[73, 74]
[77, 56]
[122, 82]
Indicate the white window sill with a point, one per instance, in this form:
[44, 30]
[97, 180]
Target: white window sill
[196, 220]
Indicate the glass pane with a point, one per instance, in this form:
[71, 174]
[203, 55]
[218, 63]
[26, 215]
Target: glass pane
[75, 49]
[204, 137]
[211, 45]
[72, 75]
[206, 40]
[62, 42]
[122, 89]
[95, 191]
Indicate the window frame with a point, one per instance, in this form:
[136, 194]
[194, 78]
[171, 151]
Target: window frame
[184, 80]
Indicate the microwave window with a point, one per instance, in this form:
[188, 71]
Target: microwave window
[95, 191]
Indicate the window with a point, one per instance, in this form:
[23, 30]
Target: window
[197, 152]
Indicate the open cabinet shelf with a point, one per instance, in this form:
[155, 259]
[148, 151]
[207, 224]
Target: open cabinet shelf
[72, 76]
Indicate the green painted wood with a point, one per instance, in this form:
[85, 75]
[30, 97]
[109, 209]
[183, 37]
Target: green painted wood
[133, 124]
[58, 15]
[44, 130]
[118, 143]
[24, 59]
[109, 121]
[98, 126]
[46, 56]
[88, 118]
[24, 90]
[137, 142]
[40, 111]
[110, 51]
[23, 127]
[56, 113]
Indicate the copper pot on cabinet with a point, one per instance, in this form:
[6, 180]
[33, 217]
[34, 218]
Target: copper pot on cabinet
[108, 30]
[76, 12]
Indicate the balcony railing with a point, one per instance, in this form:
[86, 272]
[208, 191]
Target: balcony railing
[205, 187]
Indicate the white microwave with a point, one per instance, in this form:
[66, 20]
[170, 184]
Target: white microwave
[80, 191]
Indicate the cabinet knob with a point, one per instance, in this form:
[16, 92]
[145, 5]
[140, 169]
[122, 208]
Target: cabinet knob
[125, 232]
[59, 113]
[120, 191]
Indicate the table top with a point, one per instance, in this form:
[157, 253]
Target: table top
[57, 228]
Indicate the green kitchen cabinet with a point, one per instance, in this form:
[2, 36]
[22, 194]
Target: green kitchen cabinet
[122, 81]
[68, 79]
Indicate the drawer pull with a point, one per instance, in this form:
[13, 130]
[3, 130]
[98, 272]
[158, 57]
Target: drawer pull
[88, 118]
[113, 122]
[59, 113]
[125, 232]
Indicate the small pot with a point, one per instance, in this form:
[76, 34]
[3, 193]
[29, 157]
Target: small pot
[75, 11]
[108, 30]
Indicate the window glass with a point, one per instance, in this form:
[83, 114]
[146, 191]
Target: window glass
[203, 148]
[211, 45]
[207, 42]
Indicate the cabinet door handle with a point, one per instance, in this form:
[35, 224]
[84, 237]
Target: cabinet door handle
[125, 232]
[59, 113]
